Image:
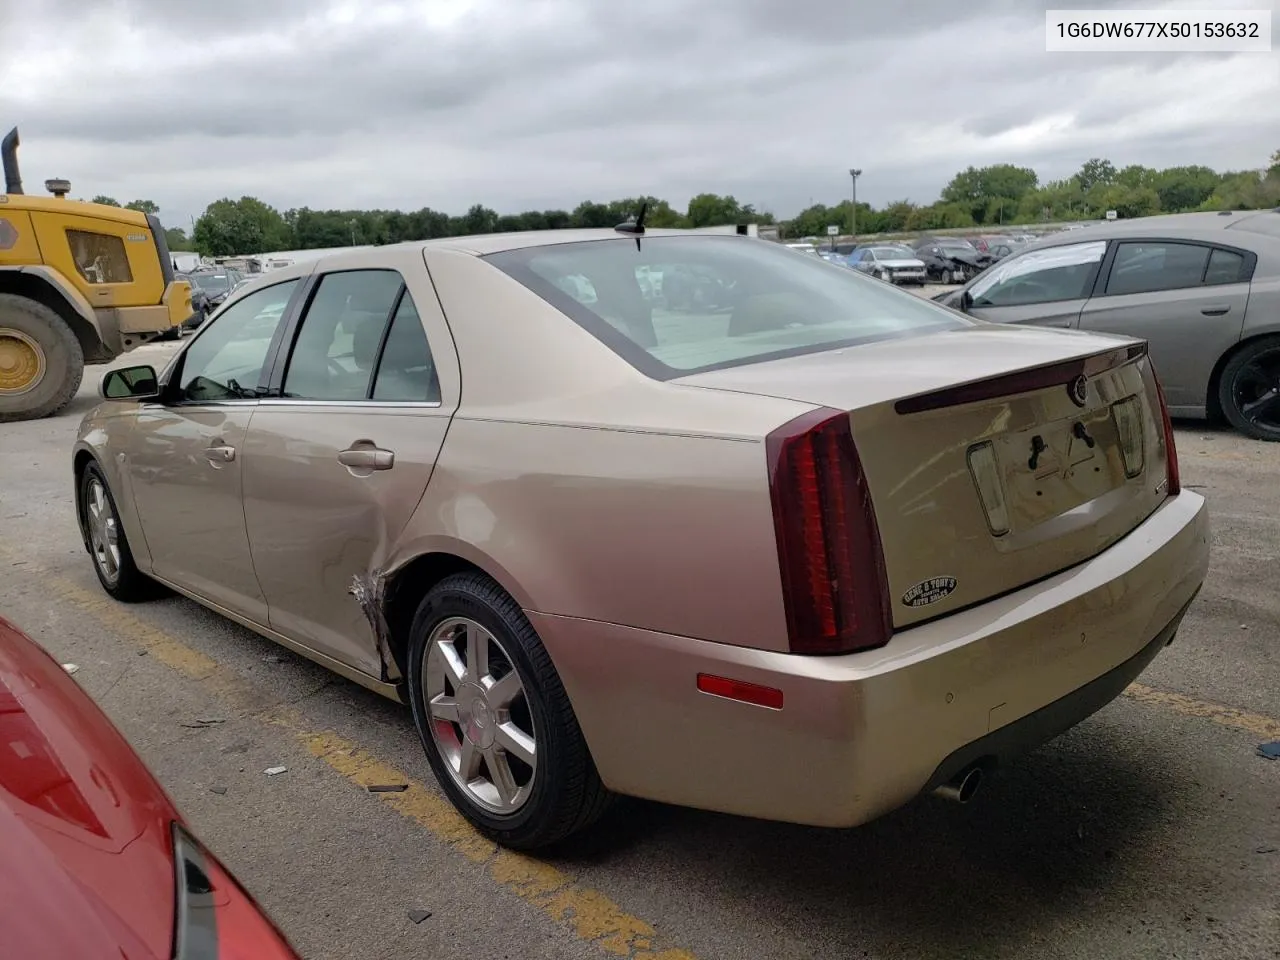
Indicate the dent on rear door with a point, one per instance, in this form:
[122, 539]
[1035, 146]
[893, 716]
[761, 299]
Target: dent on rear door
[322, 525]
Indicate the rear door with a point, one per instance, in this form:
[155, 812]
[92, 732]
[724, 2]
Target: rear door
[339, 457]
[1187, 299]
[1044, 288]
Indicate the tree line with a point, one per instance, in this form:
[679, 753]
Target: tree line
[975, 197]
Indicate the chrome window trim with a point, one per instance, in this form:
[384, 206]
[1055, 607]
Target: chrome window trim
[355, 404]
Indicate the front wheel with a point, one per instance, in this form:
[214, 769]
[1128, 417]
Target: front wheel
[494, 719]
[41, 361]
[107, 543]
[1249, 390]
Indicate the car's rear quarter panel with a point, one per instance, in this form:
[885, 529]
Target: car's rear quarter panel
[592, 491]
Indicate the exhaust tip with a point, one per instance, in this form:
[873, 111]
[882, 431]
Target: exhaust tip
[962, 787]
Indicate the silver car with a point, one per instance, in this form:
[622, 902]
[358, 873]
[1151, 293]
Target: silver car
[1202, 288]
[891, 262]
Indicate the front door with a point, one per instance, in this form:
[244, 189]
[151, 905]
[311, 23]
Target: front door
[1043, 288]
[1187, 299]
[337, 464]
[187, 463]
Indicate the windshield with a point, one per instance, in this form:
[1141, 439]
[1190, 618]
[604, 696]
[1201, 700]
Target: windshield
[956, 245]
[212, 282]
[722, 301]
[893, 253]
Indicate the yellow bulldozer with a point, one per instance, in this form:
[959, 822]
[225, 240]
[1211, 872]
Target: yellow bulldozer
[80, 283]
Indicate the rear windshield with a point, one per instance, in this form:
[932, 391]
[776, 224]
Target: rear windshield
[1266, 223]
[682, 305]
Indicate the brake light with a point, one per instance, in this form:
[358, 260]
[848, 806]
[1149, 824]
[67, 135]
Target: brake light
[216, 917]
[834, 584]
[1170, 448]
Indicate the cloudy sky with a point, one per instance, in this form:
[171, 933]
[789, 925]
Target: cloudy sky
[522, 104]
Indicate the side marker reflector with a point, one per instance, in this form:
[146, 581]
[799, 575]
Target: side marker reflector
[740, 690]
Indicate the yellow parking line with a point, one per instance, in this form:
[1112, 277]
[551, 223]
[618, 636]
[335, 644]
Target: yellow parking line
[1254, 723]
[587, 913]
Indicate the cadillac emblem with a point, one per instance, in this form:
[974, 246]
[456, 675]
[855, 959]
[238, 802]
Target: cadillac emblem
[1079, 390]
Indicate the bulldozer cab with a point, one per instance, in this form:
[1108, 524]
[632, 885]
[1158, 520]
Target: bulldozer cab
[79, 283]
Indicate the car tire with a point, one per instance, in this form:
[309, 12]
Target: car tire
[1253, 371]
[544, 802]
[54, 344]
[116, 569]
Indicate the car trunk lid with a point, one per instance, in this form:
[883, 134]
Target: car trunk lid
[994, 456]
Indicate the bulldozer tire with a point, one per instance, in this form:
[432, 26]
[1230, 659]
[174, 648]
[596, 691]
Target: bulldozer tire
[41, 363]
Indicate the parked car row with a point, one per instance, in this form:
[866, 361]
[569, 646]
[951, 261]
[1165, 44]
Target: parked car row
[210, 286]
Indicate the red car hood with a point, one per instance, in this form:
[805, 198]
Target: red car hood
[86, 866]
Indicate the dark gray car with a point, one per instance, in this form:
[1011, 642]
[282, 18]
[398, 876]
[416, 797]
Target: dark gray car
[1202, 288]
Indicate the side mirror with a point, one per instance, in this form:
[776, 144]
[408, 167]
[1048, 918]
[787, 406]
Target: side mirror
[966, 300]
[131, 383]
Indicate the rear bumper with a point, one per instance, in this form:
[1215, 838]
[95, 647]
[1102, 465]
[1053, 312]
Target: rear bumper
[861, 734]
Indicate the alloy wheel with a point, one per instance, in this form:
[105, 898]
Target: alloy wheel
[104, 530]
[1255, 391]
[478, 715]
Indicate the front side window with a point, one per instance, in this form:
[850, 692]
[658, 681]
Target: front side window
[1040, 276]
[724, 301]
[1147, 266]
[225, 360]
[99, 257]
[336, 348]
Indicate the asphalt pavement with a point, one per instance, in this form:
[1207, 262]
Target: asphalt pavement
[1151, 830]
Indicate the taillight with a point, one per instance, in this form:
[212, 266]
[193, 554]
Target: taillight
[834, 585]
[1170, 448]
[216, 917]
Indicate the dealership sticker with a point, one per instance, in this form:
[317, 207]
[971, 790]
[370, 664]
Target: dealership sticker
[929, 591]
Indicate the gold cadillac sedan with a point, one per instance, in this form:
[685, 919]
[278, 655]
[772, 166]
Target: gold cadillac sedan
[682, 516]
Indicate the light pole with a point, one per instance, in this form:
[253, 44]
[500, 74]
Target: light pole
[853, 211]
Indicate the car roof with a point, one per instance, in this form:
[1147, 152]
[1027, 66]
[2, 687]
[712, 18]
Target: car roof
[1248, 228]
[1200, 225]
[478, 245]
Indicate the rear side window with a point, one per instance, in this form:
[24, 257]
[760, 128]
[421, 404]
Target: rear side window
[723, 301]
[406, 371]
[99, 257]
[1144, 266]
[1225, 266]
[336, 348]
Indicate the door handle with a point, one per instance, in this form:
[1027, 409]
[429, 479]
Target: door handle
[220, 454]
[370, 458]
[1215, 311]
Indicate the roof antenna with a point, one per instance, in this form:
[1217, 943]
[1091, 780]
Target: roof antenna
[635, 225]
